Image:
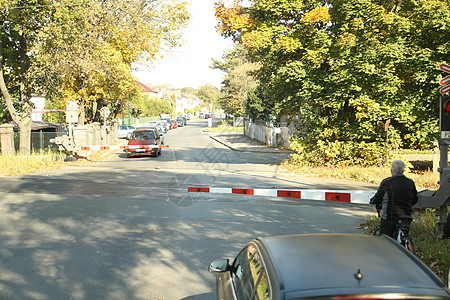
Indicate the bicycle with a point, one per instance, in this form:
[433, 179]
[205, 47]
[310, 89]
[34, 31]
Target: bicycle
[401, 232]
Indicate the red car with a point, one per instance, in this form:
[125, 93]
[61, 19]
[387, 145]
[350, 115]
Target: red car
[144, 137]
[174, 123]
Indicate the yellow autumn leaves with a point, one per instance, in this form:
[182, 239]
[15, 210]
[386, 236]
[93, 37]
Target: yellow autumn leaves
[234, 21]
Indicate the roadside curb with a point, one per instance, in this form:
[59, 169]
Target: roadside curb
[245, 148]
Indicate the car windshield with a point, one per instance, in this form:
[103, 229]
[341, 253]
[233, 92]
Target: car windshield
[142, 135]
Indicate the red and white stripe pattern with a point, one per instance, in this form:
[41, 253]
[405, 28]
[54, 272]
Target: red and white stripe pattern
[120, 147]
[347, 196]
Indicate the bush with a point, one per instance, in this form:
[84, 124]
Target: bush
[337, 153]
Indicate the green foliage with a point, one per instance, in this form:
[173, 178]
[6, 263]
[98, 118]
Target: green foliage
[260, 105]
[154, 106]
[345, 68]
[337, 153]
[194, 110]
[238, 81]
[20, 25]
[5, 116]
[92, 46]
[208, 93]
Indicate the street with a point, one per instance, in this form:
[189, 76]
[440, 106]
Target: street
[126, 228]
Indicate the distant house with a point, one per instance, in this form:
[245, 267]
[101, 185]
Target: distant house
[39, 104]
[186, 102]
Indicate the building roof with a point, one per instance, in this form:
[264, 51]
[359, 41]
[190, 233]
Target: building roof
[146, 88]
[39, 125]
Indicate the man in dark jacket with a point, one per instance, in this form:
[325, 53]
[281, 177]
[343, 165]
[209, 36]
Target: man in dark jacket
[395, 196]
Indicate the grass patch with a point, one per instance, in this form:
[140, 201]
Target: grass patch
[12, 165]
[17, 164]
[225, 129]
[415, 152]
[432, 251]
[373, 175]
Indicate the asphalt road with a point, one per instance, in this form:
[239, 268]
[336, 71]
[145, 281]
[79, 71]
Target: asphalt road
[127, 228]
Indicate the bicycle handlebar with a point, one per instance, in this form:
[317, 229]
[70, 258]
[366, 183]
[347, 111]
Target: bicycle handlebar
[378, 210]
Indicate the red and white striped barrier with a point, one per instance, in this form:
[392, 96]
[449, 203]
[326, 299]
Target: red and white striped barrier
[347, 196]
[43, 111]
[120, 147]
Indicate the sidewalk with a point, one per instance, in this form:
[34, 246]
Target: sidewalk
[240, 142]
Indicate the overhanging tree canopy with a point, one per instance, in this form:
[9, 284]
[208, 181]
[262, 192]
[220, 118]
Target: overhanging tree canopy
[346, 66]
[80, 51]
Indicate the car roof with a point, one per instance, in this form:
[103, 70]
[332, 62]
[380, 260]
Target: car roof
[306, 264]
[148, 128]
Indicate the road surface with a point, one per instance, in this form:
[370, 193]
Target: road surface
[127, 228]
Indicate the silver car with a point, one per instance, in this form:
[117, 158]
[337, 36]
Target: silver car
[166, 123]
[158, 129]
[124, 131]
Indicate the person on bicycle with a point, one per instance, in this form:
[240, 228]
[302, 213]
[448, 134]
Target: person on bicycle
[395, 196]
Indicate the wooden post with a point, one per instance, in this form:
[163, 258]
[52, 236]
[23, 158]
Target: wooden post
[436, 157]
[386, 128]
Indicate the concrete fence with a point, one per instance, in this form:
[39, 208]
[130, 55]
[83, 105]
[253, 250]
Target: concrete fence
[7, 139]
[84, 135]
[268, 133]
[94, 135]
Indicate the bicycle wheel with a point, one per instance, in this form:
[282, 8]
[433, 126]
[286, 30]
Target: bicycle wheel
[408, 243]
[376, 231]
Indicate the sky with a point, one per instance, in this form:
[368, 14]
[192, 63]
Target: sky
[188, 65]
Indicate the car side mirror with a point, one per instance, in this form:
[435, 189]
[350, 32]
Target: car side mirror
[219, 266]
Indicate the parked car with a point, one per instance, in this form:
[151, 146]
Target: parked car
[144, 136]
[159, 131]
[124, 131]
[153, 123]
[181, 121]
[212, 114]
[326, 266]
[164, 124]
[207, 116]
[157, 125]
[167, 123]
[201, 115]
[174, 123]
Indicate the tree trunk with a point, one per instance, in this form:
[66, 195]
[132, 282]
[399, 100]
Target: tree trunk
[23, 120]
[27, 106]
[25, 136]
[82, 112]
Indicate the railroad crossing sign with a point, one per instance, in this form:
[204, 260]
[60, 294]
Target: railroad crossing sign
[446, 80]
